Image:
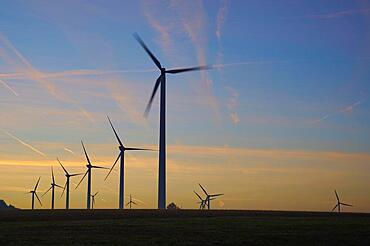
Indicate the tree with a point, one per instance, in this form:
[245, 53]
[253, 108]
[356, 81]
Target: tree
[172, 205]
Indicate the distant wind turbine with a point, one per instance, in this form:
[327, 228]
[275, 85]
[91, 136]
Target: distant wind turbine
[161, 80]
[88, 173]
[93, 199]
[52, 188]
[34, 193]
[131, 202]
[209, 197]
[339, 203]
[121, 156]
[66, 186]
[202, 202]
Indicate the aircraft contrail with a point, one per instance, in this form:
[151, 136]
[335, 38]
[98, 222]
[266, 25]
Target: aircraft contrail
[7, 86]
[346, 109]
[91, 72]
[24, 143]
[70, 73]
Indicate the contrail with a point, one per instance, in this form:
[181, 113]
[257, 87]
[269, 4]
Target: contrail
[346, 109]
[10, 88]
[255, 62]
[68, 150]
[24, 143]
[90, 72]
[71, 73]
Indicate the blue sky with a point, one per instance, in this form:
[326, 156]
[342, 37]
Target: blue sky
[290, 77]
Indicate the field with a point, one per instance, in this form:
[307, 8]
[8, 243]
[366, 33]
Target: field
[182, 227]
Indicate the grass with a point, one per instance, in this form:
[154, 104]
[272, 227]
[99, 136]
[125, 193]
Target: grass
[187, 227]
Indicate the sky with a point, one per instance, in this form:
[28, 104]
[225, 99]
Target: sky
[280, 122]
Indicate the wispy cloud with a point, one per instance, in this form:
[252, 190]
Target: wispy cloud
[24, 143]
[340, 14]
[29, 69]
[34, 74]
[126, 101]
[221, 17]
[184, 18]
[8, 87]
[69, 150]
[232, 104]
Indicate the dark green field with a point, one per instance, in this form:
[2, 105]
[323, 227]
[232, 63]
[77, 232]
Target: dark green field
[183, 227]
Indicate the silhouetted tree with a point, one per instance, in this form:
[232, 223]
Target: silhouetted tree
[3, 205]
[172, 205]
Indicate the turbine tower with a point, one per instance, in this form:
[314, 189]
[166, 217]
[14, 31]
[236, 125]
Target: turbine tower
[52, 188]
[66, 186]
[209, 197]
[161, 80]
[131, 202]
[339, 203]
[93, 199]
[121, 156]
[34, 193]
[88, 173]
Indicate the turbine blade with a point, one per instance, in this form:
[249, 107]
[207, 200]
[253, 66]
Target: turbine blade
[205, 192]
[141, 42]
[182, 70]
[139, 149]
[149, 105]
[38, 198]
[64, 188]
[113, 166]
[198, 195]
[95, 193]
[127, 203]
[134, 203]
[99, 167]
[58, 186]
[37, 183]
[336, 195]
[82, 179]
[345, 204]
[87, 157]
[62, 166]
[216, 195]
[46, 191]
[334, 207]
[115, 133]
[75, 174]
[52, 174]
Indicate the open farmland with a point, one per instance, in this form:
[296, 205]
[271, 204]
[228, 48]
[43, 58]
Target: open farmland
[183, 227]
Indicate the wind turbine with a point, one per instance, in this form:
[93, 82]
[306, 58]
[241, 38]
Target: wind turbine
[339, 203]
[88, 173]
[161, 80]
[52, 188]
[34, 193]
[66, 186]
[202, 202]
[209, 197]
[131, 202]
[121, 156]
[93, 199]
